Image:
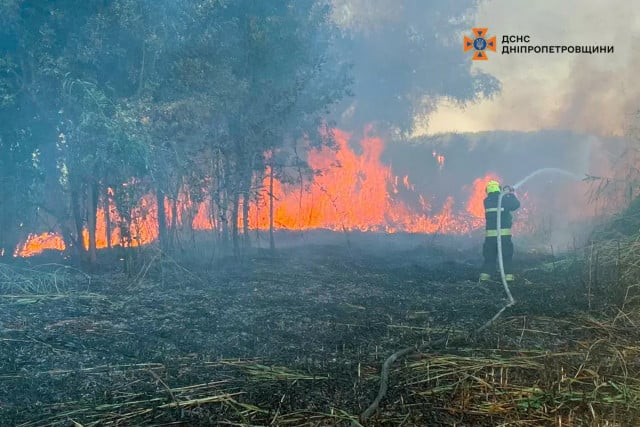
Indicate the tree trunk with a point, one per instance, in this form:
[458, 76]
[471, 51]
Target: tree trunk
[77, 218]
[162, 220]
[220, 195]
[173, 241]
[9, 239]
[234, 222]
[173, 227]
[245, 218]
[272, 243]
[126, 240]
[107, 217]
[92, 212]
[71, 246]
[224, 222]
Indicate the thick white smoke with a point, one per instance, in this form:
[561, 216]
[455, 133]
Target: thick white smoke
[595, 94]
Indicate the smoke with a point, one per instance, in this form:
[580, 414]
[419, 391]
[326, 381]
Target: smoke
[589, 98]
[404, 59]
[594, 94]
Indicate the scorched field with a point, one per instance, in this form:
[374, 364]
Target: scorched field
[298, 338]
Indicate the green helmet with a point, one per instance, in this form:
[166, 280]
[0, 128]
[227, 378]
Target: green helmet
[493, 187]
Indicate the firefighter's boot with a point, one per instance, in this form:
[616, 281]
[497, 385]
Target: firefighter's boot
[484, 277]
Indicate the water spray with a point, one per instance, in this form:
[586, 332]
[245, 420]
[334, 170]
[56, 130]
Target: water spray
[515, 187]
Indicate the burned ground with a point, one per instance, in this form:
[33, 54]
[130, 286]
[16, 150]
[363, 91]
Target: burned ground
[298, 338]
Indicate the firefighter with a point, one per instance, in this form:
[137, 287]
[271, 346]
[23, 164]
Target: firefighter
[509, 204]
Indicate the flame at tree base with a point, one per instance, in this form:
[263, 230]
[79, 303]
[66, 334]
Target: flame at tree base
[360, 194]
[38, 243]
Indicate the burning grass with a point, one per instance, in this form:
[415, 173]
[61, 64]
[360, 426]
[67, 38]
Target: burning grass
[299, 339]
[352, 189]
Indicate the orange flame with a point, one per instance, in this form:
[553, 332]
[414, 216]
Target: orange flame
[355, 196]
[38, 243]
[475, 205]
[439, 158]
[361, 194]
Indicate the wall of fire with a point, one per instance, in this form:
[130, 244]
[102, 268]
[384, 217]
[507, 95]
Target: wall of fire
[426, 185]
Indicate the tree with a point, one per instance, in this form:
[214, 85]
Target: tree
[292, 76]
[406, 57]
[126, 97]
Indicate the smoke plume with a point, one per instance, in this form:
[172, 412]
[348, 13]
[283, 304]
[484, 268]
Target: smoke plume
[586, 93]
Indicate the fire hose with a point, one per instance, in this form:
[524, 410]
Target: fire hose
[506, 190]
[384, 374]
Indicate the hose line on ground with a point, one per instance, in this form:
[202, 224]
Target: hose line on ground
[384, 374]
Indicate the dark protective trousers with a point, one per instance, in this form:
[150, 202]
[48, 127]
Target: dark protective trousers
[490, 254]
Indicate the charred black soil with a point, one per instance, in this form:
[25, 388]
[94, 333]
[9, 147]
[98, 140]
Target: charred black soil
[298, 338]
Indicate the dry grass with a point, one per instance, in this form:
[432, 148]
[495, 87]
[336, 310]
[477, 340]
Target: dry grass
[44, 279]
[221, 400]
[547, 368]
[594, 381]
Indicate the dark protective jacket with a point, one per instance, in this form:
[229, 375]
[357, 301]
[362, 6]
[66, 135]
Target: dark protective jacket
[509, 204]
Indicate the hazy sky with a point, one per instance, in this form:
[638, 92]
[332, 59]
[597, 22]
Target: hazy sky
[596, 93]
